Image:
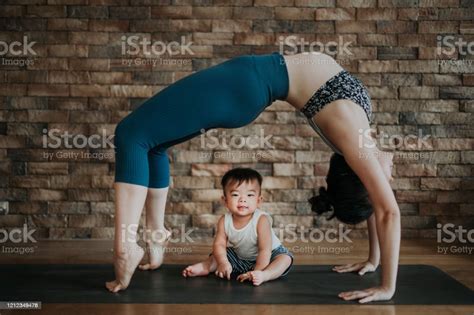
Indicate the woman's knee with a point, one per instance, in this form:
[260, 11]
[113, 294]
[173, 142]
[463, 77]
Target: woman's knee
[126, 134]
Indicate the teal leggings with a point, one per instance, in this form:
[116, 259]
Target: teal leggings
[228, 95]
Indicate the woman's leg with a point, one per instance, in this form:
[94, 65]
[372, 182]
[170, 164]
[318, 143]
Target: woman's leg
[131, 188]
[129, 202]
[157, 234]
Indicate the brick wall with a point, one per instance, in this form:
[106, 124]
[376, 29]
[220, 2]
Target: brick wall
[77, 80]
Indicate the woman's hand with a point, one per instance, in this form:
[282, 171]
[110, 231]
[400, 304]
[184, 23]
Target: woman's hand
[224, 270]
[368, 295]
[362, 267]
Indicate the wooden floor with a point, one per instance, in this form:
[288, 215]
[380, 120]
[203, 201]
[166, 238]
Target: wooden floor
[459, 266]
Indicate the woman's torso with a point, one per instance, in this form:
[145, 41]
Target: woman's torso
[307, 72]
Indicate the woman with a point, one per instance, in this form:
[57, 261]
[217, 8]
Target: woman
[231, 95]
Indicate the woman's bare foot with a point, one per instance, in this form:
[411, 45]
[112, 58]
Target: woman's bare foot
[386, 161]
[125, 263]
[156, 250]
[200, 269]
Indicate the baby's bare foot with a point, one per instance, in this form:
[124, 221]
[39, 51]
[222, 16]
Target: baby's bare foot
[258, 277]
[199, 269]
[125, 264]
[156, 248]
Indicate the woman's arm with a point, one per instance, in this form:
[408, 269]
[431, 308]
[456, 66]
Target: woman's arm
[388, 232]
[373, 261]
[374, 248]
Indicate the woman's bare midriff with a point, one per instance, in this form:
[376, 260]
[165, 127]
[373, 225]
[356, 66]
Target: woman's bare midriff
[307, 72]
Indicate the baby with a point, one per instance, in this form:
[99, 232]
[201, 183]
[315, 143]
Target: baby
[245, 244]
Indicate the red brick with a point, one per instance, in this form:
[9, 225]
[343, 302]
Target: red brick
[335, 14]
[48, 168]
[212, 12]
[172, 12]
[289, 13]
[440, 183]
[189, 25]
[395, 27]
[93, 90]
[90, 38]
[49, 64]
[67, 24]
[46, 194]
[237, 26]
[417, 40]
[48, 90]
[109, 25]
[13, 89]
[376, 14]
[418, 14]
[438, 27]
[253, 13]
[253, 39]
[12, 141]
[67, 50]
[377, 39]
[89, 64]
[439, 3]
[355, 27]
[46, 11]
[319, 3]
[11, 10]
[272, 3]
[356, 3]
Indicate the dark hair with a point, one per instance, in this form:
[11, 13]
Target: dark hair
[240, 175]
[346, 195]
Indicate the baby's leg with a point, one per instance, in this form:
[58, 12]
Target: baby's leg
[202, 268]
[273, 271]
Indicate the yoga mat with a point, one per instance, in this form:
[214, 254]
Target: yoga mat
[315, 284]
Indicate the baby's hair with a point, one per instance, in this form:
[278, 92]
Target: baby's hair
[346, 195]
[240, 175]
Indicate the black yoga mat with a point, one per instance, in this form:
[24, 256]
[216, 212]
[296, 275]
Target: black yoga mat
[316, 284]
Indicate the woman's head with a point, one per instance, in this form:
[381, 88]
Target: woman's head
[346, 196]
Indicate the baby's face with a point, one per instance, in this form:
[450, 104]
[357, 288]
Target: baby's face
[242, 200]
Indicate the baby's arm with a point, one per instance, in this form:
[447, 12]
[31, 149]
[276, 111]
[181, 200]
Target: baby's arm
[264, 237]
[219, 250]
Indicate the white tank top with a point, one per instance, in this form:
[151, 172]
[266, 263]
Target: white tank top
[244, 240]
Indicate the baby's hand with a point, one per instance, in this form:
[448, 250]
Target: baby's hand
[224, 270]
[244, 277]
